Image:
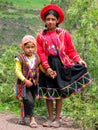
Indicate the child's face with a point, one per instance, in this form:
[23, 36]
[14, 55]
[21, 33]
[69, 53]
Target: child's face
[51, 22]
[29, 48]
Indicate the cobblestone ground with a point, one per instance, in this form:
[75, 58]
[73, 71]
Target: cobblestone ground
[8, 121]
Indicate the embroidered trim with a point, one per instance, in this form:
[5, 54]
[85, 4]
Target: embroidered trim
[67, 91]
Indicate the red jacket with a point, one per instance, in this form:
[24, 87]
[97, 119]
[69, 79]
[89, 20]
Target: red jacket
[58, 42]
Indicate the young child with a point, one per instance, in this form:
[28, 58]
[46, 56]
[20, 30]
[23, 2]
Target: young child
[27, 74]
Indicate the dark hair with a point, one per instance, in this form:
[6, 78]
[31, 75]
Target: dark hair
[45, 31]
[53, 12]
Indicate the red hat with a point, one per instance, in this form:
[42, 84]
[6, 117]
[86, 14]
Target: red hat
[55, 8]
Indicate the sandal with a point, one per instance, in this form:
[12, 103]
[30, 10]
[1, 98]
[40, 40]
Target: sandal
[22, 121]
[33, 124]
[47, 123]
[55, 124]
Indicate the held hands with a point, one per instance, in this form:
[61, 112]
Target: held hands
[28, 82]
[51, 73]
[82, 62]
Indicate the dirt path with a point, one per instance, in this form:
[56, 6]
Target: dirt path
[8, 121]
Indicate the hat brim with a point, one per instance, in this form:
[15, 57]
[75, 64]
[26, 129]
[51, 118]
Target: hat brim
[55, 8]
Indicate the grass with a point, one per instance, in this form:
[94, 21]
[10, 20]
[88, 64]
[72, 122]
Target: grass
[34, 4]
[19, 17]
[15, 107]
[17, 22]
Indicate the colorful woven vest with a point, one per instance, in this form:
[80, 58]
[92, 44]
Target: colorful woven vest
[29, 73]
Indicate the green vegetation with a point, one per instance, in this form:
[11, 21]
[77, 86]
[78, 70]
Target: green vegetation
[16, 22]
[31, 4]
[17, 19]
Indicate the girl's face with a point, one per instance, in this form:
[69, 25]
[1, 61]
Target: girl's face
[51, 22]
[29, 48]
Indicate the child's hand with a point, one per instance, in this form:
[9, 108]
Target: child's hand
[82, 62]
[28, 83]
[51, 73]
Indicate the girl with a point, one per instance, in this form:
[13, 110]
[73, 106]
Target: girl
[65, 72]
[27, 74]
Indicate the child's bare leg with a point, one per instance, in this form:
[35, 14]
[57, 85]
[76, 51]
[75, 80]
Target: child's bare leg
[56, 122]
[50, 108]
[49, 104]
[58, 109]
